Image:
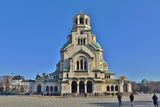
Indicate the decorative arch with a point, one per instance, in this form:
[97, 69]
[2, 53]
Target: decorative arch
[76, 21]
[51, 88]
[89, 87]
[81, 64]
[81, 20]
[81, 41]
[39, 89]
[87, 56]
[47, 88]
[74, 86]
[84, 41]
[108, 88]
[87, 21]
[81, 87]
[78, 41]
[83, 52]
[55, 88]
[112, 88]
[116, 88]
[77, 65]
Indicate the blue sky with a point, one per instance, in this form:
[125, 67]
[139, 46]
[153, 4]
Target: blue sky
[33, 31]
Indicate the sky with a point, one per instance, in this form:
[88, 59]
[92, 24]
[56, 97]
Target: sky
[32, 33]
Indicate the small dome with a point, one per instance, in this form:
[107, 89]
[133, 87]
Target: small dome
[81, 14]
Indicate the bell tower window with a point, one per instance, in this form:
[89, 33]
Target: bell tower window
[84, 40]
[81, 41]
[76, 21]
[81, 20]
[86, 21]
[78, 41]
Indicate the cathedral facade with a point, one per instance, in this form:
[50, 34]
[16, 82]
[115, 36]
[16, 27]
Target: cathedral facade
[82, 68]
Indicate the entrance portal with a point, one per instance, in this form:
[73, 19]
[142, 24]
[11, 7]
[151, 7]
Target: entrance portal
[89, 87]
[81, 87]
[74, 87]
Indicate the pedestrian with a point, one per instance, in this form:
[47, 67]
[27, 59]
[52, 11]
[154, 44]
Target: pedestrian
[119, 97]
[131, 97]
[155, 100]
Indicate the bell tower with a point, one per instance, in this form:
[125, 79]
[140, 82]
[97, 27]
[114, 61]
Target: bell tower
[81, 22]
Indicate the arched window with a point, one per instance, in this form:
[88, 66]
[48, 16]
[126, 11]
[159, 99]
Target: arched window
[81, 41]
[84, 41]
[81, 20]
[51, 88]
[116, 88]
[47, 88]
[78, 41]
[108, 88]
[39, 89]
[55, 89]
[86, 21]
[76, 21]
[77, 65]
[81, 64]
[112, 88]
[85, 65]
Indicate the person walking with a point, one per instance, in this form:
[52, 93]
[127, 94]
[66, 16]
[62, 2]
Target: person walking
[155, 100]
[131, 97]
[119, 97]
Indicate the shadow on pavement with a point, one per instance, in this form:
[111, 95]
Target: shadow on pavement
[103, 104]
[125, 104]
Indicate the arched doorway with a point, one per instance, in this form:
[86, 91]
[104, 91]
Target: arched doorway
[81, 87]
[74, 87]
[39, 89]
[89, 87]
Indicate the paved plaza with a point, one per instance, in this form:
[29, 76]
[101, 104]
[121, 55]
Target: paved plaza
[40, 101]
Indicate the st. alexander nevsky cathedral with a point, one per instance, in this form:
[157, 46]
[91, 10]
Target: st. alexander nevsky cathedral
[82, 67]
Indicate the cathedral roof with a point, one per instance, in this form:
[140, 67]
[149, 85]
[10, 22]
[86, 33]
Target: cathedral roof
[81, 14]
[97, 45]
[66, 45]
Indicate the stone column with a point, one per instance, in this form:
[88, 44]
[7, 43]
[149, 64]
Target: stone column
[85, 88]
[121, 86]
[69, 88]
[114, 89]
[129, 87]
[77, 87]
[78, 18]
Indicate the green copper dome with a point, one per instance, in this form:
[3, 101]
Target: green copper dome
[97, 45]
[66, 45]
